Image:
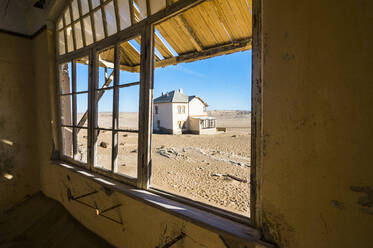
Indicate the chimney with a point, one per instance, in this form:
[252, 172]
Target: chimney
[181, 91]
[162, 93]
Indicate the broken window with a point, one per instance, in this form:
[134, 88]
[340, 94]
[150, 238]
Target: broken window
[73, 95]
[112, 112]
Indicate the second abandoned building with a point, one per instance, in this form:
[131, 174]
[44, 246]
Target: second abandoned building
[176, 113]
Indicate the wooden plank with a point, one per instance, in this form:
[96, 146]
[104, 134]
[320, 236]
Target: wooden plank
[162, 48]
[145, 114]
[227, 18]
[188, 29]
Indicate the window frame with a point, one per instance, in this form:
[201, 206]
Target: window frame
[145, 28]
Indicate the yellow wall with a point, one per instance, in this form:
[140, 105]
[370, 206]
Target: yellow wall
[17, 121]
[317, 185]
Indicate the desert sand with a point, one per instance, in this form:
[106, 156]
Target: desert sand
[213, 169]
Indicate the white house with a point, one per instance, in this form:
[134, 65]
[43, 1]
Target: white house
[176, 113]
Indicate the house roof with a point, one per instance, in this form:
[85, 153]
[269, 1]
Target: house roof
[172, 96]
[176, 96]
[197, 97]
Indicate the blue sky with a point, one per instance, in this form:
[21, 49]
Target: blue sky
[224, 82]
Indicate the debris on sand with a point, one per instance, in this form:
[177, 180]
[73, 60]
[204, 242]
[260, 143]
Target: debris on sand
[133, 151]
[234, 136]
[229, 177]
[236, 178]
[103, 144]
[123, 165]
[125, 135]
[164, 153]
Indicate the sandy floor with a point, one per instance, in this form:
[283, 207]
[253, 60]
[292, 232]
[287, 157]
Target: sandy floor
[213, 169]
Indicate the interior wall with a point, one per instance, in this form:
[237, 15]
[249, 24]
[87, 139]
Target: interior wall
[19, 171]
[317, 187]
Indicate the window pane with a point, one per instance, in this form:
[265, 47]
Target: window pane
[82, 142]
[78, 35]
[66, 110]
[65, 78]
[111, 22]
[88, 30]
[67, 141]
[82, 109]
[129, 108]
[140, 9]
[105, 108]
[130, 61]
[75, 9]
[69, 35]
[103, 149]
[124, 14]
[67, 16]
[99, 28]
[61, 39]
[127, 153]
[157, 5]
[85, 7]
[95, 3]
[106, 68]
[82, 74]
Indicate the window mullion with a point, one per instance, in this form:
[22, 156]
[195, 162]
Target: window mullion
[81, 23]
[92, 114]
[146, 98]
[74, 108]
[103, 16]
[114, 165]
[72, 26]
[92, 22]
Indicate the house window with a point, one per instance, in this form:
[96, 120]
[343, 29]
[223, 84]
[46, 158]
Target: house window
[181, 109]
[106, 60]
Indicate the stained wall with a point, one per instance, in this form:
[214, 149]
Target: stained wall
[19, 171]
[316, 170]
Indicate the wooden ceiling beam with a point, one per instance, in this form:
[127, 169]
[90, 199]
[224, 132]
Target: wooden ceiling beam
[183, 24]
[236, 46]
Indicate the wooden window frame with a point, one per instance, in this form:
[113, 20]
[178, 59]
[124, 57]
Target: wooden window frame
[145, 28]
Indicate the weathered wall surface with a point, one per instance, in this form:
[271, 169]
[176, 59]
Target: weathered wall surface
[317, 173]
[19, 171]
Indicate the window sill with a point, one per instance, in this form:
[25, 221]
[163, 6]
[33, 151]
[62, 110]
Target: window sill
[220, 225]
